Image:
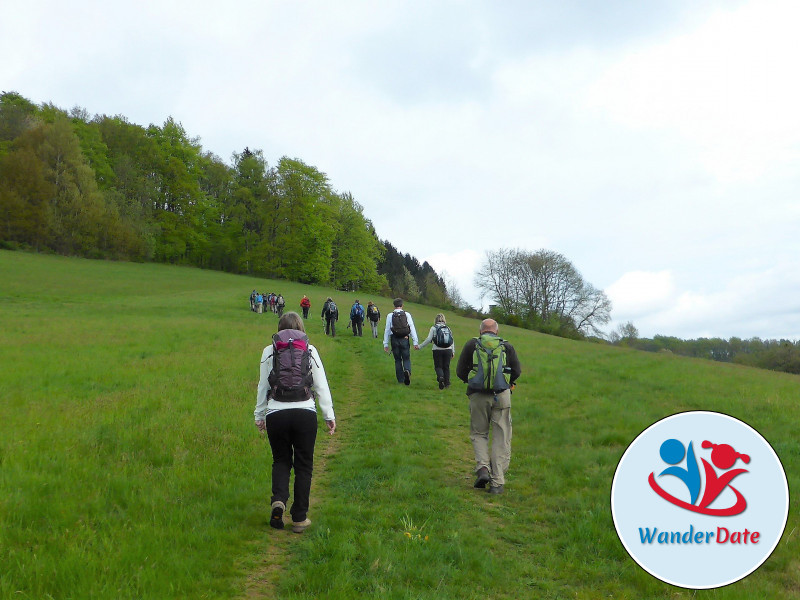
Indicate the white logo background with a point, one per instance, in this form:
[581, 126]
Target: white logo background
[635, 505]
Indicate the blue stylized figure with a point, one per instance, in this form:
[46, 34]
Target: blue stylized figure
[672, 452]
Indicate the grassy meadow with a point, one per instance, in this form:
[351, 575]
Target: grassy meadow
[130, 466]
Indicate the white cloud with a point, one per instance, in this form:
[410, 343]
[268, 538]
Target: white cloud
[640, 292]
[726, 87]
[756, 303]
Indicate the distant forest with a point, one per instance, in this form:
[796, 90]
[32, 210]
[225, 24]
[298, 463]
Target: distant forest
[102, 187]
[776, 355]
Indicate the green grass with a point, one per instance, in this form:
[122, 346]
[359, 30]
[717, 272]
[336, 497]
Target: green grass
[130, 466]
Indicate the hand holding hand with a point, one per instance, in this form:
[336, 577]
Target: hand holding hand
[416, 346]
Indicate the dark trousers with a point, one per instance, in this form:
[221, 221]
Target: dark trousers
[305, 311]
[330, 327]
[401, 350]
[357, 324]
[441, 363]
[292, 434]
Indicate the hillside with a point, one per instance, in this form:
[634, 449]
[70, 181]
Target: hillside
[130, 466]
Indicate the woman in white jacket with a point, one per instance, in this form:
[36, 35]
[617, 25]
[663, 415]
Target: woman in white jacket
[291, 427]
[441, 353]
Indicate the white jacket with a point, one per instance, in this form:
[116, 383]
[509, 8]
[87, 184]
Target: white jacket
[320, 388]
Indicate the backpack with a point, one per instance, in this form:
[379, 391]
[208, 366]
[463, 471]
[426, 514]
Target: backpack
[373, 313]
[290, 379]
[400, 327]
[332, 309]
[443, 338]
[280, 301]
[357, 312]
[489, 365]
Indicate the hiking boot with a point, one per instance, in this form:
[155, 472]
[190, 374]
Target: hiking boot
[276, 517]
[483, 478]
[496, 489]
[407, 377]
[300, 526]
[441, 384]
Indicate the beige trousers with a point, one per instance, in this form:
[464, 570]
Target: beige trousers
[491, 411]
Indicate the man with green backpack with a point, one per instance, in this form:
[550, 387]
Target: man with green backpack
[489, 366]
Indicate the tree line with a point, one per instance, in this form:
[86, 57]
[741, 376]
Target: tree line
[776, 355]
[103, 187]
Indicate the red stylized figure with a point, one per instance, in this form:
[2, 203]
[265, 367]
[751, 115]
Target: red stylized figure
[724, 457]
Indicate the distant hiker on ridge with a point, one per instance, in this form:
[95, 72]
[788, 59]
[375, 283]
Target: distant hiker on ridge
[357, 318]
[373, 315]
[330, 314]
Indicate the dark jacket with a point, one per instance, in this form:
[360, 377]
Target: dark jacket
[327, 313]
[465, 364]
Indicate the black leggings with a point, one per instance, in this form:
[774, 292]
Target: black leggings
[292, 434]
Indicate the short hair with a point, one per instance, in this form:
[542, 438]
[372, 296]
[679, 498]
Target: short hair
[291, 320]
[489, 326]
[398, 302]
[440, 319]
[356, 300]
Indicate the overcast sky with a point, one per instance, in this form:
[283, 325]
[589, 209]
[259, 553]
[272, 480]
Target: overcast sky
[656, 145]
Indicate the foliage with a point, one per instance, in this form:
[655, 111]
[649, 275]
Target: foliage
[409, 279]
[105, 188]
[776, 355]
[542, 290]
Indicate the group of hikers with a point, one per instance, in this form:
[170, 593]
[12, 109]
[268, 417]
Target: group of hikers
[358, 314]
[261, 303]
[292, 377]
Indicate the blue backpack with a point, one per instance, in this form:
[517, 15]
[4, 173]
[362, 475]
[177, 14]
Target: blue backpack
[357, 312]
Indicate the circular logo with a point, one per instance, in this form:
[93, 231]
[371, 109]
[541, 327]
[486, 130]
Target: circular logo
[699, 500]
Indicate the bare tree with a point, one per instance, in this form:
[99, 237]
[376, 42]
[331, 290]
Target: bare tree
[542, 285]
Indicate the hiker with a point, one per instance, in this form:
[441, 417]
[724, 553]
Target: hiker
[357, 318]
[305, 304]
[280, 303]
[259, 303]
[399, 326]
[443, 349]
[289, 382]
[373, 316]
[273, 298]
[330, 314]
[490, 367]
[253, 301]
